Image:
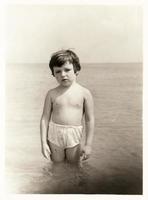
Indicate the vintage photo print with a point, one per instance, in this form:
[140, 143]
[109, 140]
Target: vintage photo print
[74, 99]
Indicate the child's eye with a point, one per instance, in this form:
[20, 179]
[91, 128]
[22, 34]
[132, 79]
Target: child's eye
[67, 70]
[57, 72]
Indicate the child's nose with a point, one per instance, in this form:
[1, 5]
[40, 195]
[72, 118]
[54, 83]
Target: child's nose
[63, 73]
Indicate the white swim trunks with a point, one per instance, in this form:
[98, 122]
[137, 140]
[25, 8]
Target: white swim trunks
[64, 136]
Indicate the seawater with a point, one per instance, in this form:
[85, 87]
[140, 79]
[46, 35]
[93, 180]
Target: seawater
[115, 166]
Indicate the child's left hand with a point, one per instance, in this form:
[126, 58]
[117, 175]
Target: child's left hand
[85, 153]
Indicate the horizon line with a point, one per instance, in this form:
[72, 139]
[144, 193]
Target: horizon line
[93, 63]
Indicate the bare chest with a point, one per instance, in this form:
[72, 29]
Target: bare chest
[67, 101]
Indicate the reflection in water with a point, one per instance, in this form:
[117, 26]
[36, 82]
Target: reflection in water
[56, 178]
[66, 178]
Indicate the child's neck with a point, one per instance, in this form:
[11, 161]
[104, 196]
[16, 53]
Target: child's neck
[67, 87]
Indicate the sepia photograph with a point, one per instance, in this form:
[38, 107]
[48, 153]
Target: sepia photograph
[73, 99]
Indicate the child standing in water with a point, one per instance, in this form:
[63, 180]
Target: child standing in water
[64, 109]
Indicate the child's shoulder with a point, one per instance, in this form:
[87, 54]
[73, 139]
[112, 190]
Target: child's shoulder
[86, 92]
[51, 92]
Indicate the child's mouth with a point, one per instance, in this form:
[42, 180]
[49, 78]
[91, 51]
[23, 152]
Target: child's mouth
[64, 80]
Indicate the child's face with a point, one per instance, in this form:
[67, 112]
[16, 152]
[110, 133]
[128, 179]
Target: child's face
[65, 74]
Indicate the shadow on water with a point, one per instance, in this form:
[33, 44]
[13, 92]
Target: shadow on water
[65, 178]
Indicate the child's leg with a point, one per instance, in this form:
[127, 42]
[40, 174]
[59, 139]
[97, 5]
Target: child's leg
[57, 153]
[73, 154]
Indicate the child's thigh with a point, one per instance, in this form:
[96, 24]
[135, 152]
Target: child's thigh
[73, 153]
[57, 153]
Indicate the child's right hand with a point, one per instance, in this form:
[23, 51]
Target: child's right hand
[46, 151]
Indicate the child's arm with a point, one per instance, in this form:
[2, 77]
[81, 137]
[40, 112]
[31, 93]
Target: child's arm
[44, 126]
[89, 124]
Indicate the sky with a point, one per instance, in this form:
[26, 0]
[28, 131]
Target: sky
[97, 33]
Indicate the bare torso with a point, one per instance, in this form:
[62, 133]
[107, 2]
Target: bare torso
[67, 105]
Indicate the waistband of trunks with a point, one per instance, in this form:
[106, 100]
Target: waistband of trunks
[65, 126]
